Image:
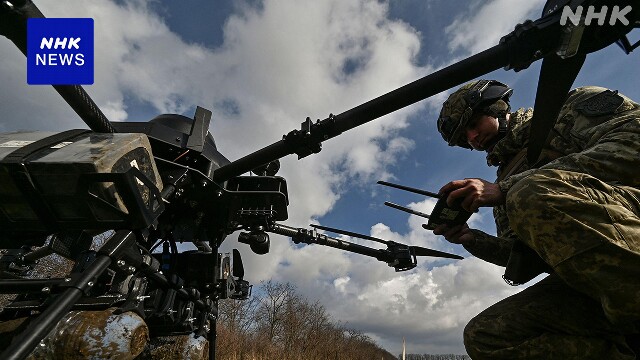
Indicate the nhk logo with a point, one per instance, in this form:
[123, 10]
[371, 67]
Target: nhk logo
[617, 15]
[59, 59]
[59, 51]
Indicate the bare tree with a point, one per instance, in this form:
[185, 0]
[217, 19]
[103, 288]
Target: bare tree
[272, 308]
[278, 323]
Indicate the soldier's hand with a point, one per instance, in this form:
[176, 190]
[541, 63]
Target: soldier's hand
[475, 193]
[458, 234]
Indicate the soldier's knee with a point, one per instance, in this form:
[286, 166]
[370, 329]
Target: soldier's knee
[469, 338]
[472, 336]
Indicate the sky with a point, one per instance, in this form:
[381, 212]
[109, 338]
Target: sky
[262, 67]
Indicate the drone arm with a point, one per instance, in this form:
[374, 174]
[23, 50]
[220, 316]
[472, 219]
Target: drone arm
[308, 140]
[312, 237]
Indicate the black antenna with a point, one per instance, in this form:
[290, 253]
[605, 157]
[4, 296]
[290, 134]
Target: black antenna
[406, 209]
[408, 188]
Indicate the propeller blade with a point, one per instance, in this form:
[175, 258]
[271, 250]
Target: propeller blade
[349, 233]
[421, 251]
[418, 250]
[406, 209]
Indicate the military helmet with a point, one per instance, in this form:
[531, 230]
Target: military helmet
[488, 97]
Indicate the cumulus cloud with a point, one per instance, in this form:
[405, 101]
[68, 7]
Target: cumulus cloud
[484, 23]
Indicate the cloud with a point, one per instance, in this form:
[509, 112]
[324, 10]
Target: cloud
[484, 23]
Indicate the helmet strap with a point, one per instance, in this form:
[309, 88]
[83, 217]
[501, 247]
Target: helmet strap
[503, 125]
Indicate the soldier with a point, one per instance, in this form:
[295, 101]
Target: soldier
[575, 214]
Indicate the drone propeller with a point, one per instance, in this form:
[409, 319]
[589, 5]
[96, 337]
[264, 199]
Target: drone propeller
[349, 233]
[417, 250]
[422, 251]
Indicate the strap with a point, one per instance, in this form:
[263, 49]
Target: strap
[520, 159]
[15, 163]
[513, 165]
[556, 78]
[20, 155]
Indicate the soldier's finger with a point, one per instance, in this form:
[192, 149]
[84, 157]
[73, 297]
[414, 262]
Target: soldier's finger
[452, 185]
[458, 193]
[440, 229]
[453, 234]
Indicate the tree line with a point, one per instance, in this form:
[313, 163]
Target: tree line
[435, 357]
[278, 323]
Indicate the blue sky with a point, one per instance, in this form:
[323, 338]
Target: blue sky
[262, 67]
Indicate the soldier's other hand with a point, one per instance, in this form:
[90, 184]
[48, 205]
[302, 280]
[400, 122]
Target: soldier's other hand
[458, 234]
[475, 193]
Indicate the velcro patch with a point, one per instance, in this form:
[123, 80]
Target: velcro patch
[604, 103]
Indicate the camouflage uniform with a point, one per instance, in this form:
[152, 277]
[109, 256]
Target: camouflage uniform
[581, 215]
[509, 150]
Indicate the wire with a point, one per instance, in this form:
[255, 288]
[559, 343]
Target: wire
[181, 155]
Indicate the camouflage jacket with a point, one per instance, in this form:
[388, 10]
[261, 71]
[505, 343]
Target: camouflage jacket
[597, 133]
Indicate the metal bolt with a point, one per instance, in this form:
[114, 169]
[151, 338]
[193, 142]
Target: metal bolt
[7, 4]
[90, 283]
[121, 263]
[46, 290]
[178, 139]
[131, 269]
[67, 279]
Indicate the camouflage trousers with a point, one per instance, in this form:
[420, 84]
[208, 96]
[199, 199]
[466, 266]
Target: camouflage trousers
[548, 320]
[589, 232]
